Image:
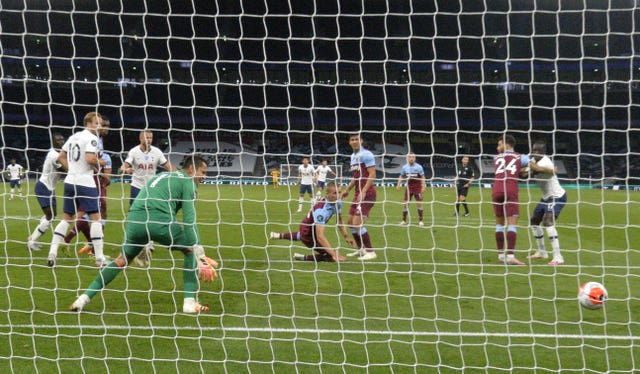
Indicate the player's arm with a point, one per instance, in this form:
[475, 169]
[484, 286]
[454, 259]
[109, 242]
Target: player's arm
[345, 233]
[400, 179]
[62, 160]
[127, 165]
[92, 159]
[423, 183]
[323, 242]
[541, 169]
[126, 168]
[471, 179]
[348, 188]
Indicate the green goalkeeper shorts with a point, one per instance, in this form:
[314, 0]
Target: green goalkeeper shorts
[138, 234]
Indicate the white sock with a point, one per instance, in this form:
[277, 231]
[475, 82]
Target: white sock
[538, 234]
[97, 240]
[189, 301]
[300, 201]
[58, 236]
[553, 238]
[12, 193]
[42, 227]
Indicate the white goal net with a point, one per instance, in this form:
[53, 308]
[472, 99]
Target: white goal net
[255, 86]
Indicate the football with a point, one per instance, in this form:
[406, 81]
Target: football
[592, 295]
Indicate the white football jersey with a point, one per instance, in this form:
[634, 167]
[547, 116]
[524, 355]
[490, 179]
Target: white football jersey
[548, 183]
[80, 172]
[50, 174]
[144, 164]
[14, 171]
[306, 174]
[322, 172]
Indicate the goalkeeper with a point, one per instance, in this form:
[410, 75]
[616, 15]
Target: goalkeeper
[153, 217]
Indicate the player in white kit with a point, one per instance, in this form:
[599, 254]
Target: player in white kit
[321, 177]
[79, 156]
[45, 191]
[142, 163]
[306, 173]
[15, 174]
[554, 198]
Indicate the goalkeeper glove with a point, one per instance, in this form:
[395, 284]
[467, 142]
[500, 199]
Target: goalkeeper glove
[206, 266]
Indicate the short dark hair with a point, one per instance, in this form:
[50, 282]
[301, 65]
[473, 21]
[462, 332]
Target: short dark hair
[194, 159]
[510, 139]
[540, 144]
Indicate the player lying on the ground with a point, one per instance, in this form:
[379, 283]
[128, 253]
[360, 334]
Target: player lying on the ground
[313, 226]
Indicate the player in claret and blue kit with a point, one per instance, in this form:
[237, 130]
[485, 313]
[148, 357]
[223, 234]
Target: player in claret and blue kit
[506, 206]
[363, 173]
[312, 228]
[413, 172]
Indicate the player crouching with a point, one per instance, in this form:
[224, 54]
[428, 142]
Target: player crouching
[153, 217]
[312, 228]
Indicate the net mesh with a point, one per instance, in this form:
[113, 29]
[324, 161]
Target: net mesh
[257, 85]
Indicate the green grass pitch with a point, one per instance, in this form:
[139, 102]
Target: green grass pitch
[436, 299]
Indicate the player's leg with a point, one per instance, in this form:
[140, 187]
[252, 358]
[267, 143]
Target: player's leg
[47, 201]
[174, 235]
[549, 221]
[358, 229]
[301, 198]
[20, 190]
[418, 198]
[512, 212]
[538, 234]
[463, 200]
[90, 204]
[405, 206]
[68, 215]
[12, 185]
[133, 194]
[108, 273]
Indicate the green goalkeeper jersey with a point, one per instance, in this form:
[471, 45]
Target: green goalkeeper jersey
[160, 200]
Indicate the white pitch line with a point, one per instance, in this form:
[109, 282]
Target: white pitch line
[326, 331]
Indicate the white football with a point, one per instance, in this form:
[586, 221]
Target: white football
[592, 295]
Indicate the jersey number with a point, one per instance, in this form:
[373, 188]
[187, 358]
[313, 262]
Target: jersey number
[158, 179]
[511, 167]
[74, 154]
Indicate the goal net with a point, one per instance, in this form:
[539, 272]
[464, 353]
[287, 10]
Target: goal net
[254, 86]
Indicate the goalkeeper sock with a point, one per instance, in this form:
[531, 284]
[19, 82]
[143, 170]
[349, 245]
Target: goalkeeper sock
[58, 236]
[190, 275]
[539, 236]
[107, 274]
